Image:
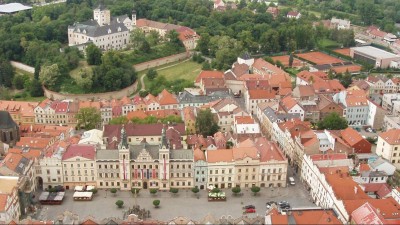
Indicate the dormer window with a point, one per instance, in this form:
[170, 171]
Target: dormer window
[109, 31]
[119, 29]
[84, 31]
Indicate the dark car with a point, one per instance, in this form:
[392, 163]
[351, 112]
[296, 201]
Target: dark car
[283, 203]
[249, 207]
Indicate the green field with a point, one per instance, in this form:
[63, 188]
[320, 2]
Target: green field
[327, 43]
[187, 70]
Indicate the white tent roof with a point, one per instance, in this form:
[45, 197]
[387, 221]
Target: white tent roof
[13, 7]
[78, 188]
[83, 194]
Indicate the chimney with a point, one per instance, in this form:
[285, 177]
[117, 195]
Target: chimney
[355, 190]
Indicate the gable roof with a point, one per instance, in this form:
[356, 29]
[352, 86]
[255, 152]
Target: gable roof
[81, 150]
[219, 155]
[166, 98]
[391, 136]
[209, 74]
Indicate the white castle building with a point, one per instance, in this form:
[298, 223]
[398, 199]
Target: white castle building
[104, 31]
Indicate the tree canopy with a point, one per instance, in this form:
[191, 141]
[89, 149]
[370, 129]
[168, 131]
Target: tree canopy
[206, 124]
[333, 122]
[88, 118]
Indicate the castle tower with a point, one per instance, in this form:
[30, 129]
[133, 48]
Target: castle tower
[133, 18]
[102, 15]
[164, 161]
[124, 160]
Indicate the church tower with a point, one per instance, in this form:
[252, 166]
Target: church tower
[164, 161]
[133, 18]
[102, 15]
[124, 160]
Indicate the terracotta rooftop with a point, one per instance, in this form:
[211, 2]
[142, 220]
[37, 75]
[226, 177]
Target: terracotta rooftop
[89, 104]
[288, 102]
[306, 90]
[261, 94]
[136, 114]
[335, 156]
[388, 208]
[308, 76]
[267, 68]
[244, 120]
[345, 187]
[23, 108]
[391, 136]
[166, 98]
[319, 217]
[220, 155]
[80, 150]
[209, 74]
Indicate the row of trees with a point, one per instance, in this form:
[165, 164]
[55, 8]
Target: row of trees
[147, 120]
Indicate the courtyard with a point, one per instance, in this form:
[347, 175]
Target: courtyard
[184, 203]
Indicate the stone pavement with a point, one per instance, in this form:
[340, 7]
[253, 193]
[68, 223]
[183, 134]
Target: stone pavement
[185, 203]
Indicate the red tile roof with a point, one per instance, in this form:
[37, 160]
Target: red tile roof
[261, 94]
[388, 207]
[209, 74]
[335, 156]
[366, 214]
[269, 151]
[166, 98]
[267, 68]
[320, 217]
[244, 120]
[328, 86]
[81, 150]
[136, 114]
[391, 136]
[220, 155]
[344, 187]
[24, 108]
[288, 102]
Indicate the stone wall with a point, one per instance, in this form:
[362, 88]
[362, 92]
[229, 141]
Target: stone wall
[162, 61]
[96, 96]
[23, 67]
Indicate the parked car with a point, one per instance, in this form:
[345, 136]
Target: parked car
[250, 210]
[249, 207]
[270, 203]
[283, 203]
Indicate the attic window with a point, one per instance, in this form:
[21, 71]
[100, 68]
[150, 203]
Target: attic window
[109, 31]
[119, 29]
[84, 31]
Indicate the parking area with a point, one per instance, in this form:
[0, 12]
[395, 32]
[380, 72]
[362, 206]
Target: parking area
[185, 203]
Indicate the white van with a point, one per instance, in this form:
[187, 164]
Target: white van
[291, 181]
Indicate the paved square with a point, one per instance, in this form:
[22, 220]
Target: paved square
[185, 203]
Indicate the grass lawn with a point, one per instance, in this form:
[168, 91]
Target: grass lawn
[327, 43]
[31, 99]
[188, 70]
[82, 65]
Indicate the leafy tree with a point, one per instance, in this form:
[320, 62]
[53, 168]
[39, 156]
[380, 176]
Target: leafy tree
[153, 38]
[174, 190]
[371, 140]
[202, 44]
[88, 118]
[143, 93]
[137, 38]
[215, 190]
[156, 203]
[113, 190]
[94, 191]
[5, 93]
[173, 37]
[206, 66]
[205, 123]
[153, 191]
[6, 73]
[35, 89]
[85, 79]
[229, 144]
[236, 190]
[119, 120]
[333, 122]
[345, 79]
[195, 190]
[255, 189]
[135, 190]
[49, 75]
[151, 74]
[93, 54]
[119, 203]
[19, 81]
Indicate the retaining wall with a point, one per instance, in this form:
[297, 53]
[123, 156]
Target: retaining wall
[161, 61]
